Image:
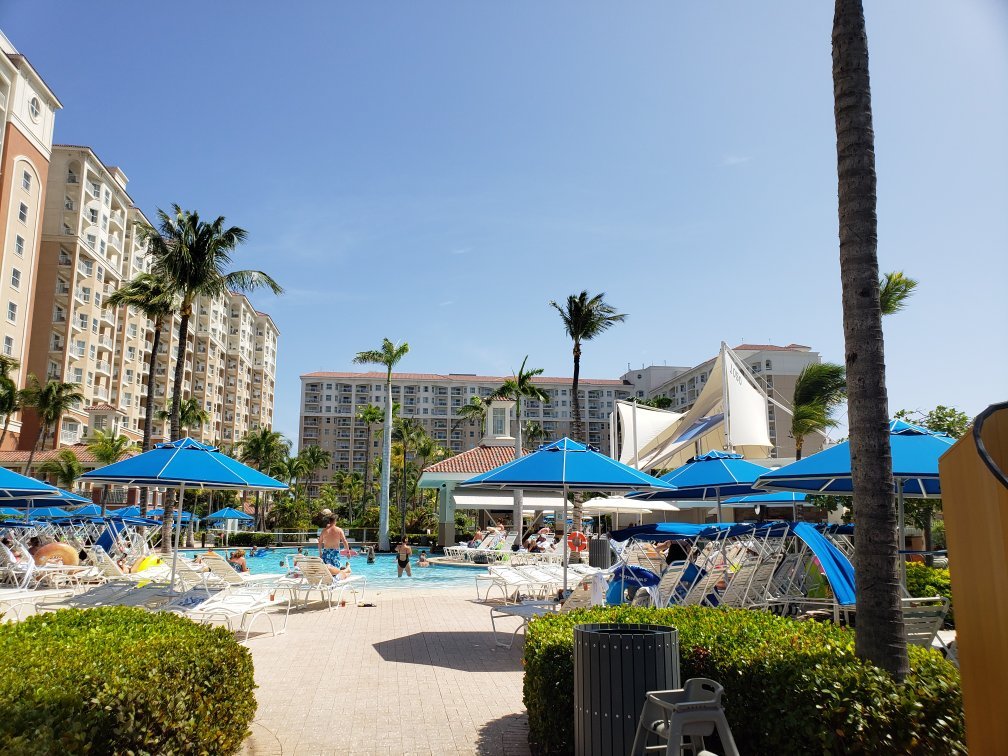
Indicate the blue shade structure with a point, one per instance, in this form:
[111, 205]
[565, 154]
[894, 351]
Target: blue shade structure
[15, 485]
[709, 477]
[228, 513]
[773, 499]
[568, 466]
[182, 463]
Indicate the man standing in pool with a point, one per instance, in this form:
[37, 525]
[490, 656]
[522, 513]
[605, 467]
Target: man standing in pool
[329, 544]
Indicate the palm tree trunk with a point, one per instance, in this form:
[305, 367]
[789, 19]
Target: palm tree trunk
[575, 400]
[31, 454]
[928, 535]
[879, 635]
[6, 425]
[367, 464]
[180, 359]
[386, 480]
[148, 430]
[167, 521]
[798, 442]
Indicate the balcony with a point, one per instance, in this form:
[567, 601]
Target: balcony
[69, 437]
[101, 392]
[101, 366]
[104, 342]
[118, 218]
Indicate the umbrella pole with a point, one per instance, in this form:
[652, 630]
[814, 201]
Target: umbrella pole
[566, 556]
[178, 532]
[900, 524]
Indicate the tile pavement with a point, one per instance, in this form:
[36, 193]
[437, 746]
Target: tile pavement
[418, 673]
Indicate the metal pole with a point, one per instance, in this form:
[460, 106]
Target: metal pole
[900, 524]
[178, 532]
[565, 554]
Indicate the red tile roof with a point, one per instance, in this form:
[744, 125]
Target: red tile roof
[20, 457]
[103, 407]
[478, 460]
[460, 377]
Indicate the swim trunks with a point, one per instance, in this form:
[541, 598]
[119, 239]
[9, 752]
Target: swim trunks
[331, 557]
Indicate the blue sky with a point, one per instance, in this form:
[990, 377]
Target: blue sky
[436, 172]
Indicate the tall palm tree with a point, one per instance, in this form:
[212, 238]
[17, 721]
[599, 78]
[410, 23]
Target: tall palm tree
[262, 448]
[50, 402]
[879, 635]
[290, 470]
[10, 397]
[192, 416]
[369, 415]
[65, 469]
[584, 317]
[474, 412]
[314, 459]
[819, 389]
[894, 290]
[388, 355]
[192, 257]
[519, 388]
[108, 448]
[533, 434]
[156, 300]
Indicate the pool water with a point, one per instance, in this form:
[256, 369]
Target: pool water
[380, 576]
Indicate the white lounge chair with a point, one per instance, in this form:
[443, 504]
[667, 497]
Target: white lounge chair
[579, 598]
[222, 570]
[923, 618]
[15, 601]
[459, 552]
[510, 580]
[314, 575]
[245, 604]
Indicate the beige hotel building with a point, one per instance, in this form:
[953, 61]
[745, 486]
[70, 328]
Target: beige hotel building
[330, 403]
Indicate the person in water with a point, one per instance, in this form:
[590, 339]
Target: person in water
[237, 560]
[329, 544]
[422, 561]
[403, 554]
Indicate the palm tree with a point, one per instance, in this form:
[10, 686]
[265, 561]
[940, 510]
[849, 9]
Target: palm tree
[475, 411]
[819, 389]
[584, 317]
[109, 448]
[290, 470]
[192, 416]
[879, 635]
[388, 355]
[534, 434]
[894, 291]
[262, 449]
[519, 388]
[50, 402]
[314, 458]
[369, 415]
[152, 296]
[65, 469]
[407, 432]
[10, 397]
[192, 257]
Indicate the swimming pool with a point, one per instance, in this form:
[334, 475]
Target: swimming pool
[380, 576]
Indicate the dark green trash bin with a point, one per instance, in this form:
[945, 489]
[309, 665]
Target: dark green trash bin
[600, 553]
[614, 667]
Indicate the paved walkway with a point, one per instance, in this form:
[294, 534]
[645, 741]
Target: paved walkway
[416, 674]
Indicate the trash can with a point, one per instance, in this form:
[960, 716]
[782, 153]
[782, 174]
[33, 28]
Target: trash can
[600, 553]
[614, 668]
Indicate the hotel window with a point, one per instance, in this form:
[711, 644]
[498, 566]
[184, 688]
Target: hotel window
[101, 246]
[19, 246]
[78, 375]
[108, 197]
[498, 421]
[12, 312]
[23, 213]
[15, 278]
[8, 346]
[104, 222]
[34, 108]
[26, 181]
[95, 189]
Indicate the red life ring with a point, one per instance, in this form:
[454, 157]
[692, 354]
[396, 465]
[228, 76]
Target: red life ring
[577, 542]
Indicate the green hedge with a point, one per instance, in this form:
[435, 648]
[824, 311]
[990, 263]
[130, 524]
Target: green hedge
[247, 538]
[121, 680]
[790, 687]
[924, 581]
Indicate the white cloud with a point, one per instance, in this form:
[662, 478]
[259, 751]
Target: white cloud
[730, 160]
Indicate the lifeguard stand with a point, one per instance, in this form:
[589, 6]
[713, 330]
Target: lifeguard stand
[975, 497]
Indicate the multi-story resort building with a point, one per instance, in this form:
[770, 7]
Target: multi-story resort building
[330, 403]
[775, 368]
[27, 115]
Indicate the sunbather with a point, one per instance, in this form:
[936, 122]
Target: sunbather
[237, 560]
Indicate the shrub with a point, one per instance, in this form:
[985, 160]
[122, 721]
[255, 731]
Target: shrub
[790, 687]
[924, 581]
[122, 680]
[248, 538]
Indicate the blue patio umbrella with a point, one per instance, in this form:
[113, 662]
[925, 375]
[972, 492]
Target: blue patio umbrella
[14, 485]
[8, 512]
[915, 452]
[568, 466]
[710, 477]
[228, 513]
[30, 506]
[47, 513]
[88, 510]
[773, 499]
[184, 463]
[158, 514]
